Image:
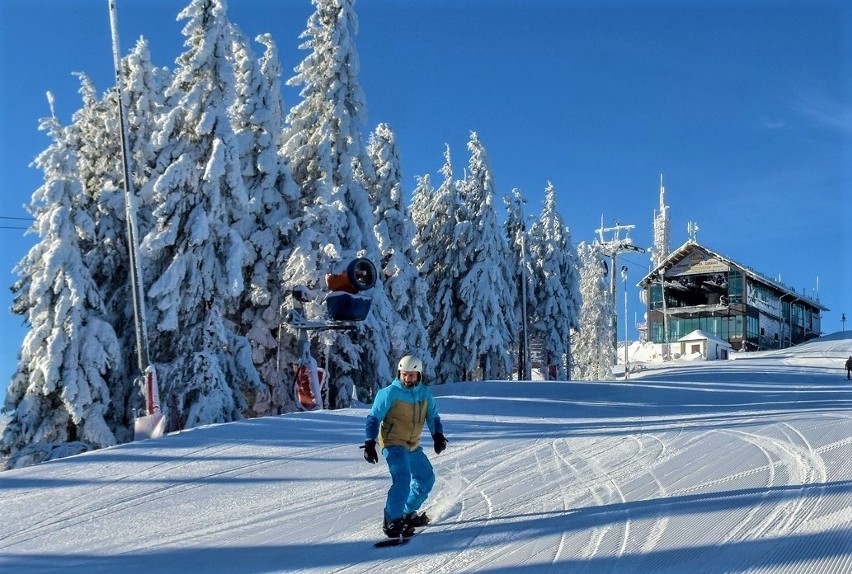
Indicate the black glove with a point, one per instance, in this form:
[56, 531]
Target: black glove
[370, 454]
[440, 442]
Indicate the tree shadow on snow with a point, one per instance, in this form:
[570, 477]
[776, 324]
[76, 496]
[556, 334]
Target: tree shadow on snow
[609, 402]
[324, 556]
[784, 551]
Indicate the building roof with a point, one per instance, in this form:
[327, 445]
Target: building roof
[698, 334]
[681, 252]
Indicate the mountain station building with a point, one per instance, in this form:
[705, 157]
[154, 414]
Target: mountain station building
[694, 288]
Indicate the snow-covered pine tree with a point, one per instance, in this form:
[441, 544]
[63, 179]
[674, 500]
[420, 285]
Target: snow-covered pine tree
[257, 116]
[143, 92]
[515, 230]
[395, 232]
[555, 305]
[94, 137]
[324, 147]
[195, 254]
[593, 351]
[438, 261]
[422, 219]
[486, 293]
[421, 216]
[571, 280]
[58, 398]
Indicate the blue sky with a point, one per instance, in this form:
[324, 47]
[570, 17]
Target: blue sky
[744, 107]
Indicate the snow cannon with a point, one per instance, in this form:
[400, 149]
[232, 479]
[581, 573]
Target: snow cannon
[343, 302]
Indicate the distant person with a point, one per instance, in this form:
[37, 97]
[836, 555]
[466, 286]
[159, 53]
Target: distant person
[849, 368]
[398, 415]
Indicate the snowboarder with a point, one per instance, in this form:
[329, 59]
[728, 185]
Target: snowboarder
[849, 368]
[398, 415]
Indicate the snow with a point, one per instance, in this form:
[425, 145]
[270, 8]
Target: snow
[721, 466]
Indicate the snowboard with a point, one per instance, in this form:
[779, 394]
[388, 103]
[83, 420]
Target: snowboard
[388, 542]
[401, 540]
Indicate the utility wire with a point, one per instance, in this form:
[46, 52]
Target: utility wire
[15, 219]
[644, 267]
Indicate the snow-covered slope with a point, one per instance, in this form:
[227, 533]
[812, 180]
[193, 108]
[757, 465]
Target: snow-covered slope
[738, 466]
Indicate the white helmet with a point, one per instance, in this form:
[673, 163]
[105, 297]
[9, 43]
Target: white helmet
[410, 363]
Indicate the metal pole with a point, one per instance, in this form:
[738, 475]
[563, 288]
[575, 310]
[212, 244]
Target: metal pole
[526, 356]
[613, 247]
[666, 349]
[137, 291]
[626, 356]
[613, 259]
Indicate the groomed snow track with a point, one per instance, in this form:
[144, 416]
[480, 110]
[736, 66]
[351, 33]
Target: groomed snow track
[741, 466]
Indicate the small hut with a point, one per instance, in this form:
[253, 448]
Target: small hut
[709, 347]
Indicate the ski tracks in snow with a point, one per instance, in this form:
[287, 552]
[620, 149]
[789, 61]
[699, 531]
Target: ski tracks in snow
[113, 493]
[587, 479]
[610, 502]
[607, 469]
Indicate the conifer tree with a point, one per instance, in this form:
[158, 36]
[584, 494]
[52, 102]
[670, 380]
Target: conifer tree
[434, 212]
[325, 149]
[257, 116]
[486, 294]
[593, 349]
[555, 294]
[196, 255]
[421, 201]
[519, 264]
[571, 280]
[395, 232]
[95, 138]
[143, 91]
[58, 398]
[95, 135]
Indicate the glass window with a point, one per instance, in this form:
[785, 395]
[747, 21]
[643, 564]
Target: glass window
[735, 286]
[656, 296]
[798, 315]
[713, 326]
[753, 324]
[657, 332]
[738, 325]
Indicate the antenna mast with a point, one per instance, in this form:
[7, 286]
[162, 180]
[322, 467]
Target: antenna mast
[662, 229]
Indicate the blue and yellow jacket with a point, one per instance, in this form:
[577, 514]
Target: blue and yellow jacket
[399, 413]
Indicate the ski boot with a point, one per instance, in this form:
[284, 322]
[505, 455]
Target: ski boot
[415, 520]
[397, 528]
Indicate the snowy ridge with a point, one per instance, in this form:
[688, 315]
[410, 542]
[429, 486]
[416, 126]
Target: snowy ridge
[736, 466]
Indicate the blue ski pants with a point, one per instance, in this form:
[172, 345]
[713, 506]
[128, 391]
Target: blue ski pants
[412, 480]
